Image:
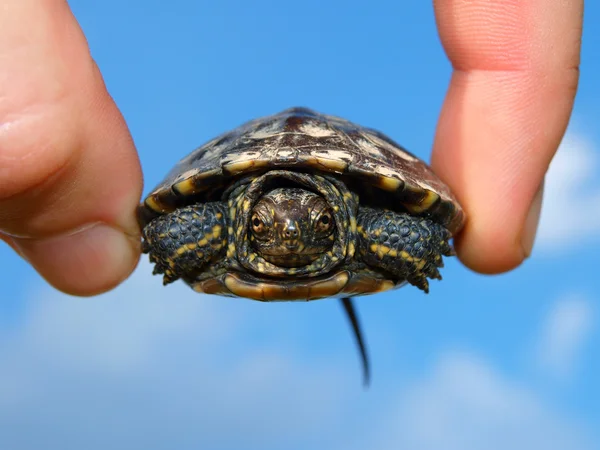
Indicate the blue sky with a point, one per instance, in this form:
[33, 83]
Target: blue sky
[509, 361]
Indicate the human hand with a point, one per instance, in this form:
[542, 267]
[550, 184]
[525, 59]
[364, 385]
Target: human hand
[67, 162]
[69, 174]
[516, 68]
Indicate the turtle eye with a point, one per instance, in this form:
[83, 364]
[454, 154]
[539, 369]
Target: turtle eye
[259, 228]
[324, 223]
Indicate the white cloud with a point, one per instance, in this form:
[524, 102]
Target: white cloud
[465, 404]
[563, 335]
[151, 367]
[571, 207]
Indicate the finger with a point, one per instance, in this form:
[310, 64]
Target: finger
[510, 98]
[69, 174]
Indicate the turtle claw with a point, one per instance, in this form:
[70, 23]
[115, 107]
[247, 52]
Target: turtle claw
[446, 249]
[433, 272]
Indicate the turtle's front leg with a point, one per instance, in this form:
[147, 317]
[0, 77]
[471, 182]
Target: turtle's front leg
[183, 242]
[408, 247]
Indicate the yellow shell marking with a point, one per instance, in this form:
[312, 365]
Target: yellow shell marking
[334, 165]
[189, 183]
[389, 183]
[241, 166]
[429, 199]
[267, 291]
[385, 285]
[185, 187]
[154, 205]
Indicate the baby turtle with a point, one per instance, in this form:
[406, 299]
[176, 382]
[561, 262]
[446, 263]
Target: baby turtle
[300, 206]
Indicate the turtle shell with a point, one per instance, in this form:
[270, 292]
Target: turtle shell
[304, 140]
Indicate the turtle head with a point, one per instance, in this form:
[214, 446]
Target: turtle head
[292, 227]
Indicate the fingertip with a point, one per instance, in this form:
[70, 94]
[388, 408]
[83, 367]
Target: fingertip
[486, 253]
[89, 261]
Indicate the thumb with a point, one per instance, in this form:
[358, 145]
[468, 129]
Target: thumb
[69, 174]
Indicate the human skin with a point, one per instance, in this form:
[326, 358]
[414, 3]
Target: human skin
[61, 136]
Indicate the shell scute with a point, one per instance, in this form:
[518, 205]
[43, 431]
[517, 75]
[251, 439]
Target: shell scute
[304, 140]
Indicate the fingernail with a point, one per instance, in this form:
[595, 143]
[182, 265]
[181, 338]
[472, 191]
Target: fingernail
[88, 261]
[531, 222]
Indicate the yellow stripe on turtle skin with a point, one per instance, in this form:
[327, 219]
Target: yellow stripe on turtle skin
[219, 245]
[240, 230]
[419, 263]
[353, 224]
[405, 255]
[216, 231]
[185, 248]
[351, 249]
[384, 250]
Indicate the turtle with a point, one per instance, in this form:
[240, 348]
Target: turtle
[300, 206]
